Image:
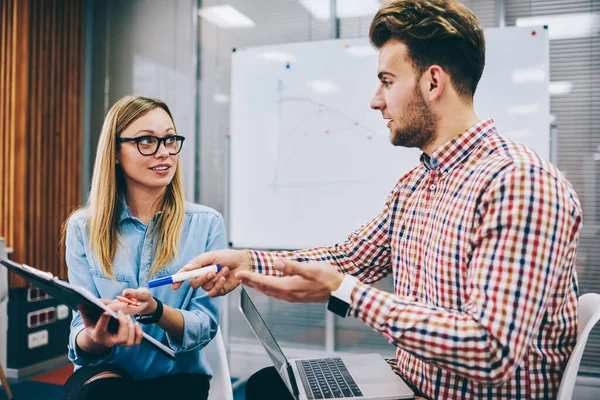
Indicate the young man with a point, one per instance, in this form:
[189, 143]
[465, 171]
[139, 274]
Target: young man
[481, 236]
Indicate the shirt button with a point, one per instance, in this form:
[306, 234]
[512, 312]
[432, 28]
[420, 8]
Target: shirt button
[432, 187]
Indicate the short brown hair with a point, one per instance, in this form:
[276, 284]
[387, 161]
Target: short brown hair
[440, 32]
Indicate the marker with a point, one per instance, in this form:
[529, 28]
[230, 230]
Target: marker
[131, 302]
[182, 276]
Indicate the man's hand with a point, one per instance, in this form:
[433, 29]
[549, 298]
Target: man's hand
[304, 283]
[222, 282]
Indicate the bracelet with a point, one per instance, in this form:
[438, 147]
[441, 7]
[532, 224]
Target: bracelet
[154, 317]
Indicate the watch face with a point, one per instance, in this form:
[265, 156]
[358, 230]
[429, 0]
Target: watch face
[338, 306]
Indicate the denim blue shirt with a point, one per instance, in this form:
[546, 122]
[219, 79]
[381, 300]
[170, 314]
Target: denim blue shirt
[203, 230]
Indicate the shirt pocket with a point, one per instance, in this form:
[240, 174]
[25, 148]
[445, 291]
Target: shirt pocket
[109, 288]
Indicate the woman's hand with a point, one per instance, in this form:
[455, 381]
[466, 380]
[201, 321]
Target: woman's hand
[96, 338]
[146, 303]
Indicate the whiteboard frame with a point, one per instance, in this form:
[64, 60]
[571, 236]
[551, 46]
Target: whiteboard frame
[236, 242]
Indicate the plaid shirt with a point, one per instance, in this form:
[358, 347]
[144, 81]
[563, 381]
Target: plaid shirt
[481, 240]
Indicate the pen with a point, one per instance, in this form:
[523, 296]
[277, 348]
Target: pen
[182, 276]
[131, 302]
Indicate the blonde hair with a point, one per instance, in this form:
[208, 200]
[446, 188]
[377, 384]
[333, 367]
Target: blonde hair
[440, 32]
[108, 188]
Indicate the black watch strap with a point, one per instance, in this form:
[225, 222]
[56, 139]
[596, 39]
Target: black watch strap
[151, 318]
[337, 306]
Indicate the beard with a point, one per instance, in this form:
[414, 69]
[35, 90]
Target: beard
[420, 124]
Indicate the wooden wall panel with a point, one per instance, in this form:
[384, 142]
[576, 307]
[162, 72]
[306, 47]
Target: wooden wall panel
[5, 139]
[41, 112]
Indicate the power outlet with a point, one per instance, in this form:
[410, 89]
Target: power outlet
[62, 311]
[37, 339]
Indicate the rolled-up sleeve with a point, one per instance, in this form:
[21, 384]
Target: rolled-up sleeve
[79, 275]
[201, 317]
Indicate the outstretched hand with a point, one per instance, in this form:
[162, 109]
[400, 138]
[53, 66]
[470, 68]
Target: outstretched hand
[302, 283]
[222, 282]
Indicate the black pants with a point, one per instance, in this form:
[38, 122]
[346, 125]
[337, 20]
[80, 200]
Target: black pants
[267, 384]
[176, 386]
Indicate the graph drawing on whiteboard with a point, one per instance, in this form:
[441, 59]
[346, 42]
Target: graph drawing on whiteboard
[304, 123]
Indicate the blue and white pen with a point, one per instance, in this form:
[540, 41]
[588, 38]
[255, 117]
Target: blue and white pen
[182, 276]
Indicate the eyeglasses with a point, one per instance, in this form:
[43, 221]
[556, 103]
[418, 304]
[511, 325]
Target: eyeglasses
[149, 145]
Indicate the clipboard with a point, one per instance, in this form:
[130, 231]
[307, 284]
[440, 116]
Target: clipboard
[72, 296]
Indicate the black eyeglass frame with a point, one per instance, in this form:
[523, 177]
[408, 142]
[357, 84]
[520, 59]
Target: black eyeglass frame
[160, 141]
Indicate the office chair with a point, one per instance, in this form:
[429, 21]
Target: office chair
[589, 314]
[220, 384]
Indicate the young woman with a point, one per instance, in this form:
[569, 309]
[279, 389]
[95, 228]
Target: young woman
[136, 227]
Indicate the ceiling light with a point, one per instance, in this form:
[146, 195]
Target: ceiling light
[565, 26]
[226, 17]
[320, 9]
[559, 87]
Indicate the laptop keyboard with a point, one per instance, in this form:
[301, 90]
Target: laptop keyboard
[327, 378]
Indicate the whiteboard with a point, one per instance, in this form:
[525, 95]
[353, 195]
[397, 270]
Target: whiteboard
[310, 161]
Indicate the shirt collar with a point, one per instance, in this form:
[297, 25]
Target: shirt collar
[451, 153]
[126, 212]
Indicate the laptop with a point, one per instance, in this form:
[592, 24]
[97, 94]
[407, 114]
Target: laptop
[364, 376]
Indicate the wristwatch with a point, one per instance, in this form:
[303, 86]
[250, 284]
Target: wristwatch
[340, 299]
[151, 318]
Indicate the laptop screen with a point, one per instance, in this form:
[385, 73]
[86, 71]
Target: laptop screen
[261, 331]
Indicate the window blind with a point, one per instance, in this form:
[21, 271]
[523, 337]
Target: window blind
[576, 113]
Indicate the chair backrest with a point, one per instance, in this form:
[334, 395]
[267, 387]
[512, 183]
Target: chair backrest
[220, 384]
[589, 314]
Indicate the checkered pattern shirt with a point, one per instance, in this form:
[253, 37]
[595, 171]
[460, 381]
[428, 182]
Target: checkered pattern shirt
[481, 240]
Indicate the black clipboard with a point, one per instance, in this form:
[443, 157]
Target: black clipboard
[72, 296]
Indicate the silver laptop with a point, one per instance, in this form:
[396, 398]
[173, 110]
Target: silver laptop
[365, 376]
